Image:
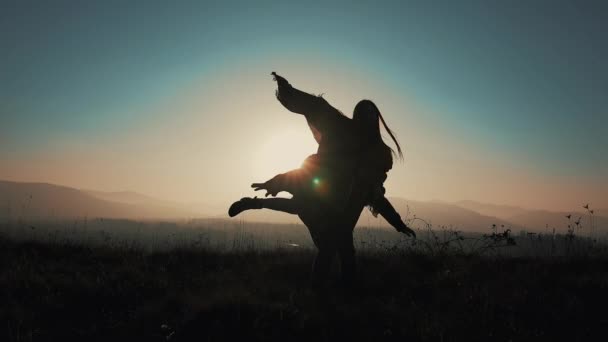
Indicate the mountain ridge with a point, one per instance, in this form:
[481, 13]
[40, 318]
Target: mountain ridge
[40, 200]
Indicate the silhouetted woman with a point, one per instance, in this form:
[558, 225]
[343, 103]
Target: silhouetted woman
[335, 184]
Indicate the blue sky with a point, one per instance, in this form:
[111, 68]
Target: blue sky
[527, 80]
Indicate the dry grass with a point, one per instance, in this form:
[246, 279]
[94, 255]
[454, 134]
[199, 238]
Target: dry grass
[71, 291]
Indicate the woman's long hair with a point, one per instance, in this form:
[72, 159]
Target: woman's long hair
[368, 113]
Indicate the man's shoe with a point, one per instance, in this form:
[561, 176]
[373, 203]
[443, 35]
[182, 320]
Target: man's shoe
[243, 204]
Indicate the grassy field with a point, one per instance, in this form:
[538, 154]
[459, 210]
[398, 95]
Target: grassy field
[75, 291]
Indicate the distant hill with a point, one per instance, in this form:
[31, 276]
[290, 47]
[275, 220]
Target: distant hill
[128, 197]
[463, 215]
[541, 220]
[450, 215]
[42, 201]
[437, 214]
[500, 211]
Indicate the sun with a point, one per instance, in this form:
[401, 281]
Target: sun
[282, 151]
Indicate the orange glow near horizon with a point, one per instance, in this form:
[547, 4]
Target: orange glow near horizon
[280, 152]
[211, 141]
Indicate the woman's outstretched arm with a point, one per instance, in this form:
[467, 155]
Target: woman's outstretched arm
[386, 209]
[291, 181]
[319, 113]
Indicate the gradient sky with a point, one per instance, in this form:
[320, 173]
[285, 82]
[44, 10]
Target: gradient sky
[496, 101]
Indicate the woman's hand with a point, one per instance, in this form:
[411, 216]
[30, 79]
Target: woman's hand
[408, 231]
[268, 186]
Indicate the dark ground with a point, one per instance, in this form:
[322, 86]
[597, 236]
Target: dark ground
[66, 292]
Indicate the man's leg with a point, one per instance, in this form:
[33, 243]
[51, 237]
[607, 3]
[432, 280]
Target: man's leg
[294, 181]
[286, 205]
[327, 243]
[322, 264]
[312, 218]
[346, 250]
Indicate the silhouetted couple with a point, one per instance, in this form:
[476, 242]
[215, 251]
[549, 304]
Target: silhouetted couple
[333, 186]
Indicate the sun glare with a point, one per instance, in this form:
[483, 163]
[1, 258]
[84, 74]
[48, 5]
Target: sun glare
[281, 152]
